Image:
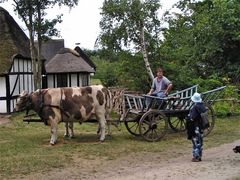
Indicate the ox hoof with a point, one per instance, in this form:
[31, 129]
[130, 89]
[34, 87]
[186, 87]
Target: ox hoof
[66, 136]
[109, 136]
[101, 141]
[72, 137]
[53, 143]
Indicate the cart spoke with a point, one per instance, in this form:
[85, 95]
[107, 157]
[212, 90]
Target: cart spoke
[134, 124]
[152, 125]
[173, 122]
[177, 123]
[155, 132]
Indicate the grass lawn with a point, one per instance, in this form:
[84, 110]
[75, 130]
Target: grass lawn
[25, 148]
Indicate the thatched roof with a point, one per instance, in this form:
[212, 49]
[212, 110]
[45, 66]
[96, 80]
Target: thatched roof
[51, 47]
[13, 41]
[85, 57]
[67, 60]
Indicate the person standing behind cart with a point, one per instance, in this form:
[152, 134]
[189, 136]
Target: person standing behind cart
[195, 127]
[160, 86]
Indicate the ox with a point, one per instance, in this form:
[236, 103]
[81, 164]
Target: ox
[55, 105]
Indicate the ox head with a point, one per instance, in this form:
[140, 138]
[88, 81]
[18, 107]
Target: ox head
[22, 102]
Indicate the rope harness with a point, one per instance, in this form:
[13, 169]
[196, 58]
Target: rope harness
[42, 105]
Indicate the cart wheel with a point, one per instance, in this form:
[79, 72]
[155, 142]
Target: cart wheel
[153, 125]
[132, 123]
[211, 119]
[177, 124]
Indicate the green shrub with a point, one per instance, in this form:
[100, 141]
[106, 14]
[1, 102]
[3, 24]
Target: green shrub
[229, 104]
[106, 72]
[206, 84]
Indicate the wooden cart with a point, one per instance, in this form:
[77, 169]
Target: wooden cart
[152, 122]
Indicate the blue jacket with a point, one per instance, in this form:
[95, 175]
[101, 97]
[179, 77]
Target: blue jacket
[194, 119]
[196, 110]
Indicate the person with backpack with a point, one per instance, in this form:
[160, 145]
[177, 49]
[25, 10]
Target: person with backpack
[195, 126]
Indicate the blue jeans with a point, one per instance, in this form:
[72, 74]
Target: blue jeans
[197, 142]
[159, 94]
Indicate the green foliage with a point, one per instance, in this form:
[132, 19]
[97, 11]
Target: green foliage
[122, 20]
[106, 72]
[129, 72]
[207, 84]
[133, 75]
[230, 103]
[200, 46]
[204, 38]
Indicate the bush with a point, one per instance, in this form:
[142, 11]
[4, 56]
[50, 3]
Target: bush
[106, 72]
[229, 105]
[206, 84]
[133, 75]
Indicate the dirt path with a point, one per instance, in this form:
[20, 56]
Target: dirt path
[4, 119]
[218, 163]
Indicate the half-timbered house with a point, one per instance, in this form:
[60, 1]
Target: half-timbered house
[63, 68]
[15, 62]
[67, 69]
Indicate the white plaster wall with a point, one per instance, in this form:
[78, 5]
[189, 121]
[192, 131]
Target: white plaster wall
[80, 80]
[2, 86]
[12, 80]
[21, 64]
[3, 108]
[15, 64]
[29, 66]
[74, 80]
[21, 82]
[50, 81]
[31, 85]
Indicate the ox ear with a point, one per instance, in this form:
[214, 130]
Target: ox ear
[24, 94]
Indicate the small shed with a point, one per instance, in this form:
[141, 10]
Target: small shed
[67, 69]
[15, 62]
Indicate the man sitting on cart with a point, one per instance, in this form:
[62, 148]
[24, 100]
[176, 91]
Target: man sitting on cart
[160, 86]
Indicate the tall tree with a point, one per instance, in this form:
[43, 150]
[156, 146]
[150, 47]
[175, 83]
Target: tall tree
[130, 24]
[33, 13]
[204, 38]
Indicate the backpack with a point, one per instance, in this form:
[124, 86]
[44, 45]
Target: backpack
[204, 119]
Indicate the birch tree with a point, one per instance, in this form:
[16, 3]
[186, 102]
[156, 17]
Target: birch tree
[130, 25]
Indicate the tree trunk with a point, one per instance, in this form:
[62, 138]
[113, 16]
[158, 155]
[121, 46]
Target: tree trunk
[144, 52]
[39, 62]
[29, 24]
[32, 47]
[33, 57]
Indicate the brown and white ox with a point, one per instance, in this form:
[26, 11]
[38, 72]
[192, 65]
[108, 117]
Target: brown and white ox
[55, 105]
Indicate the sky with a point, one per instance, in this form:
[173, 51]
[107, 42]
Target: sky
[81, 24]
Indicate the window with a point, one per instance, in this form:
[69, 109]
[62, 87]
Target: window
[85, 81]
[62, 80]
